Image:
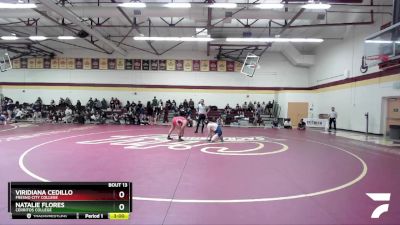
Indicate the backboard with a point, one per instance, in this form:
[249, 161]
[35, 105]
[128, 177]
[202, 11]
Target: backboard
[250, 64]
[5, 61]
[382, 46]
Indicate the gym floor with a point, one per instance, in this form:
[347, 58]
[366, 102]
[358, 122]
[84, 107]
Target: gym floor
[257, 176]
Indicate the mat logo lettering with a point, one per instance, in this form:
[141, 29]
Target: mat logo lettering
[251, 145]
[379, 197]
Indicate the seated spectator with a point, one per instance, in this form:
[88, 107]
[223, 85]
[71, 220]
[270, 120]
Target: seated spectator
[275, 123]
[301, 125]
[115, 118]
[3, 118]
[287, 124]
[18, 114]
[68, 115]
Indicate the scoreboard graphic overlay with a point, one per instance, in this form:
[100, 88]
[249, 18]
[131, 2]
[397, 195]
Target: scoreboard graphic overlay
[70, 200]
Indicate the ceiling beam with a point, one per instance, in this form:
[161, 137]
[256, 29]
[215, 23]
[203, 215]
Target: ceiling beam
[72, 18]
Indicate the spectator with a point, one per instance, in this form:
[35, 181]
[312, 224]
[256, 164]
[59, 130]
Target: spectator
[244, 106]
[191, 104]
[301, 125]
[250, 106]
[154, 103]
[149, 113]
[287, 124]
[68, 115]
[332, 119]
[104, 104]
[185, 104]
[269, 108]
[78, 105]
[202, 115]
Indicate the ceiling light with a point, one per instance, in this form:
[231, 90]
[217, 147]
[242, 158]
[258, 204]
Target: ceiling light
[188, 39]
[298, 40]
[16, 6]
[37, 38]
[178, 5]
[133, 5]
[9, 38]
[223, 5]
[316, 6]
[270, 6]
[66, 37]
[378, 42]
[306, 40]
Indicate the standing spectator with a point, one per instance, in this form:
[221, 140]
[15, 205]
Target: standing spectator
[269, 108]
[250, 106]
[112, 103]
[191, 104]
[202, 115]
[332, 119]
[154, 103]
[263, 106]
[104, 104]
[150, 113]
[244, 106]
[78, 105]
[185, 104]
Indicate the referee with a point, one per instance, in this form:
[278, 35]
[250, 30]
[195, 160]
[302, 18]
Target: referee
[202, 115]
[332, 119]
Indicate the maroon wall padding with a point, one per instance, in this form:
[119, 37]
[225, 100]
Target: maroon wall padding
[331, 1]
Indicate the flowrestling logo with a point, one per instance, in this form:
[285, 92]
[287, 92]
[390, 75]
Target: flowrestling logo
[258, 145]
[380, 197]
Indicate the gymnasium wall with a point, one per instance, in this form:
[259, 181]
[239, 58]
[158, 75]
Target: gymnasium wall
[218, 88]
[338, 60]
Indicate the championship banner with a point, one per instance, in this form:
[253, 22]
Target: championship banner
[162, 64]
[238, 66]
[16, 63]
[62, 63]
[95, 63]
[87, 64]
[196, 65]
[154, 64]
[145, 64]
[46, 63]
[79, 63]
[230, 66]
[103, 63]
[70, 63]
[31, 63]
[221, 66]
[24, 63]
[179, 65]
[54, 63]
[111, 64]
[213, 65]
[204, 65]
[39, 63]
[137, 64]
[120, 64]
[187, 65]
[128, 64]
[170, 64]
